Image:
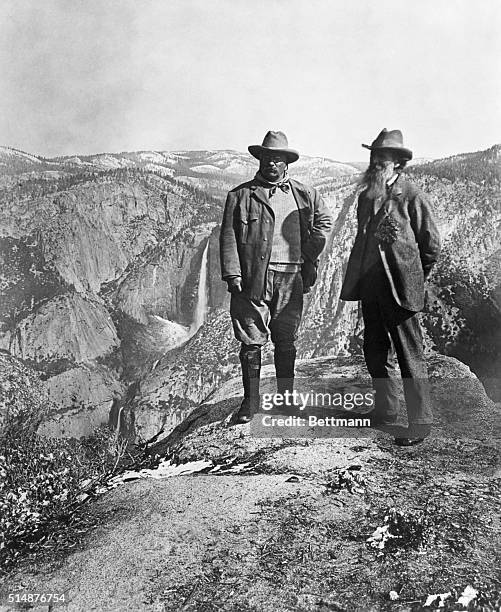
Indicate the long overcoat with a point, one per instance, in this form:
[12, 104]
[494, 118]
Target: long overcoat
[409, 258]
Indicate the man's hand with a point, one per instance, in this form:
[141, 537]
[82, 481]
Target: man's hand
[235, 284]
[309, 275]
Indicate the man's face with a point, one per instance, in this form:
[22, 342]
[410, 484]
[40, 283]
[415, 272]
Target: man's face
[272, 166]
[383, 158]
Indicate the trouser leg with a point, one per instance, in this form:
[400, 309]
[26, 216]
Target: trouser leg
[286, 309]
[250, 319]
[250, 324]
[379, 358]
[407, 338]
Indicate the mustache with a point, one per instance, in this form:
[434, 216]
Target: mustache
[376, 173]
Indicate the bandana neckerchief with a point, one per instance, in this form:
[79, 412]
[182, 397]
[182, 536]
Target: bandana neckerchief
[284, 184]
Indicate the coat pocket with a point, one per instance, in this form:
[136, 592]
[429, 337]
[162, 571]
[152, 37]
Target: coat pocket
[253, 228]
[249, 228]
[244, 230]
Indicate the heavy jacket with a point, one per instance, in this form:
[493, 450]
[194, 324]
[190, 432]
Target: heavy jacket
[407, 260]
[247, 231]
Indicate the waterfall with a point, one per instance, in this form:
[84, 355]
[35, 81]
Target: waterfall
[201, 306]
[154, 277]
[169, 334]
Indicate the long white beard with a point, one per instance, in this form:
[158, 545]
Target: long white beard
[376, 178]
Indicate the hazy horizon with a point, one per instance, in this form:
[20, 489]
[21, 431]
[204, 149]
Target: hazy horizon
[100, 76]
[334, 158]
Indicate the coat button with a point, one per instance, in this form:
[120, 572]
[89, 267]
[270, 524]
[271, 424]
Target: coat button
[265, 239]
[262, 256]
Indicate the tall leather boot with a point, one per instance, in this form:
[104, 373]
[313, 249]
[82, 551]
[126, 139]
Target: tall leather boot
[250, 360]
[285, 359]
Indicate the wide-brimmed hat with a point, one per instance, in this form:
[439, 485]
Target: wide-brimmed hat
[390, 140]
[275, 142]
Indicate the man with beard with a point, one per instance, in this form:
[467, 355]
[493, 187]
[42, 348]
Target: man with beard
[396, 246]
[273, 231]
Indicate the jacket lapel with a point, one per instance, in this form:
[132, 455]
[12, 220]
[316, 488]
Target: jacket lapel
[260, 193]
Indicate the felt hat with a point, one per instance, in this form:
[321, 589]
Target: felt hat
[390, 140]
[274, 142]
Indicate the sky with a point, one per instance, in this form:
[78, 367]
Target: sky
[91, 76]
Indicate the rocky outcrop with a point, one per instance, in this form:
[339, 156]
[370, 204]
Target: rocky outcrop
[461, 408]
[24, 400]
[81, 399]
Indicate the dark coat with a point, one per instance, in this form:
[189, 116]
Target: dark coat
[409, 259]
[247, 229]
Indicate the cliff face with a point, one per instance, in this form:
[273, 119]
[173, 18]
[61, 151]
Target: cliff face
[463, 310]
[329, 325]
[178, 382]
[67, 328]
[89, 232]
[81, 398]
[24, 401]
[99, 276]
[159, 286]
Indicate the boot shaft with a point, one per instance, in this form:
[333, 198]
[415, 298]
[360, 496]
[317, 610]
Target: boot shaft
[250, 360]
[285, 361]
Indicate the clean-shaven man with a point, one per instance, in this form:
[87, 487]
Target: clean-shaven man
[273, 231]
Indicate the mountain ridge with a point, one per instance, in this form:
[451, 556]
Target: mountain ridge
[189, 154]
